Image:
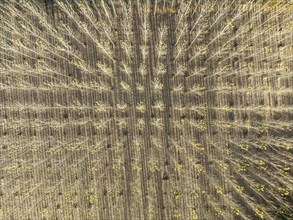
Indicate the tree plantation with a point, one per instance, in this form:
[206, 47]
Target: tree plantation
[146, 109]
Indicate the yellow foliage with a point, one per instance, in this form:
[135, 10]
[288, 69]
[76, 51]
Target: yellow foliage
[261, 188]
[284, 191]
[259, 213]
[236, 212]
[218, 212]
[239, 189]
[194, 215]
